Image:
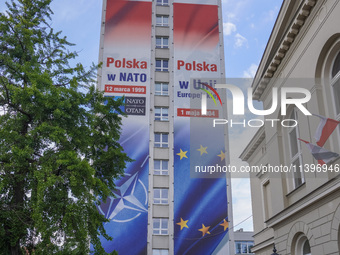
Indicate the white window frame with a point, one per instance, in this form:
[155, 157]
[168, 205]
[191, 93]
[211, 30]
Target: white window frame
[162, 143]
[247, 243]
[162, 67]
[160, 252]
[161, 230]
[306, 242]
[162, 20]
[164, 89]
[266, 200]
[332, 81]
[162, 170]
[335, 80]
[161, 196]
[299, 244]
[162, 45]
[162, 2]
[162, 113]
[298, 156]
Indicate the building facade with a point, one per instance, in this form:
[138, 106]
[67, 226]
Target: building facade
[244, 241]
[298, 211]
[156, 54]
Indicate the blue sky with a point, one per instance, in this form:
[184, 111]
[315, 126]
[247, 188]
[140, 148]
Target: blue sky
[247, 27]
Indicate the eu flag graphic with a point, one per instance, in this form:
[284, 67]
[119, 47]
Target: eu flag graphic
[201, 218]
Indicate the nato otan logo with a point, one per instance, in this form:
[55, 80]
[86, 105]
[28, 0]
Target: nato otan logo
[130, 199]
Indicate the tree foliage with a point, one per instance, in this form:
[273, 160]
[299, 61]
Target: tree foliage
[59, 150]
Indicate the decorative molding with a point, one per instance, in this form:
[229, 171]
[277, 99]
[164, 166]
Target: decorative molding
[299, 227]
[316, 195]
[289, 38]
[335, 228]
[263, 245]
[254, 143]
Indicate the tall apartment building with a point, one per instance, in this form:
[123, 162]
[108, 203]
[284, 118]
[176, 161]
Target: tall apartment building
[157, 54]
[299, 211]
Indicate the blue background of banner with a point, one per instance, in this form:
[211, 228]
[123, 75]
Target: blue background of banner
[198, 200]
[129, 226]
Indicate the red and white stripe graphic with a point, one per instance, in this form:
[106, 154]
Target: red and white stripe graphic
[325, 129]
[322, 155]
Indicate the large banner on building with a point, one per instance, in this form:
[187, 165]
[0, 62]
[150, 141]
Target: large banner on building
[126, 72]
[200, 202]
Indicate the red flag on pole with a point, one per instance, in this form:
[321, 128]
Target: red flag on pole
[322, 155]
[325, 129]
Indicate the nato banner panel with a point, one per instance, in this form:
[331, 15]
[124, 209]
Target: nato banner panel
[126, 72]
[200, 203]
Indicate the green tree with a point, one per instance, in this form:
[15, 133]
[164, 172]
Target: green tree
[59, 150]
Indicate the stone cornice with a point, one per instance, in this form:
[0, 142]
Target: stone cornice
[254, 143]
[292, 31]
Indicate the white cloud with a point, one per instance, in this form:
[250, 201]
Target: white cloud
[231, 15]
[234, 9]
[228, 28]
[250, 72]
[240, 40]
[271, 15]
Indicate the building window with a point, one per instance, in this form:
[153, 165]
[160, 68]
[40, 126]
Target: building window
[161, 140]
[339, 238]
[306, 248]
[335, 82]
[161, 167]
[267, 201]
[161, 89]
[160, 252]
[162, 65]
[161, 113]
[162, 42]
[295, 151]
[160, 226]
[161, 196]
[162, 2]
[302, 245]
[162, 20]
[243, 247]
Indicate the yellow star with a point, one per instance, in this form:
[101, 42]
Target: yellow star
[204, 230]
[203, 150]
[225, 224]
[182, 154]
[183, 223]
[222, 155]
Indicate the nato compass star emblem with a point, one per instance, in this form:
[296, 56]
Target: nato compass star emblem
[129, 202]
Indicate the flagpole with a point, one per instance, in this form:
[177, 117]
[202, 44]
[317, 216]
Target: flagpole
[230, 214]
[228, 180]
